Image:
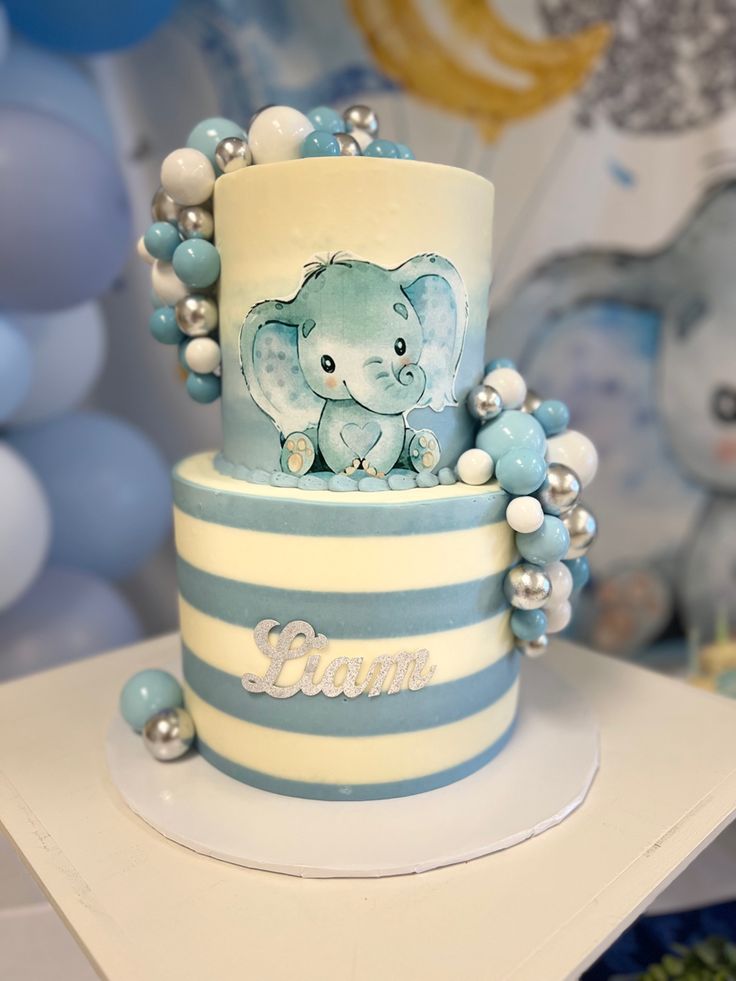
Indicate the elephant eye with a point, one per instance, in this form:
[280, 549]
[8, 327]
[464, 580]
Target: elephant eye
[400, 346]
[327, 363]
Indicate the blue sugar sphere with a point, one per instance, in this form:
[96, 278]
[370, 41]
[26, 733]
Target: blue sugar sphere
[528, 624]
[203, 388]
[161, 240]
[580, 572]
[162, 324]
[521, 471]
[325, 118]
[149, 692]
[320, 143]
[381, 148]
[547, 544]
[206, 135]
[512, 430]
[404, 152]
[553, 415]
[197, 263]
[182, 352]
[498, 363]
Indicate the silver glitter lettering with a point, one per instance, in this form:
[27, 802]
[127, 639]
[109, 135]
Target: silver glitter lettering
[408, 668]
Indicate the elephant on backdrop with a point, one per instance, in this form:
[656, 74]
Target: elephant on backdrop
[338, 367]
[690, 284]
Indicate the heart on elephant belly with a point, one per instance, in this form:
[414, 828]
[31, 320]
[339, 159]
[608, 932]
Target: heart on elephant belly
[361, 439]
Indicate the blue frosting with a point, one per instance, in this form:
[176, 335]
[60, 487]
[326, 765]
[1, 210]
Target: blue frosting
[365, 791]
[405, 711]
[309, 517]
[404, 613]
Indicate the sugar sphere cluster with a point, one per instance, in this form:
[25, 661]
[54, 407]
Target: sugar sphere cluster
[152, 703]
[524, 441]
[179, 244]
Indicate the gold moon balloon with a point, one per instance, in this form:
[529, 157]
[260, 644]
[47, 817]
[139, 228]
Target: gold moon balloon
[411, 53]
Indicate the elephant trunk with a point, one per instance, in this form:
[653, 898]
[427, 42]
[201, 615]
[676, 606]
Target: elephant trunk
[395, 393]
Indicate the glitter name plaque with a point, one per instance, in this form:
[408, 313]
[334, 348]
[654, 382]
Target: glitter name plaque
[409, 667]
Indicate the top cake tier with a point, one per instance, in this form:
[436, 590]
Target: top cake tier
[353, 299]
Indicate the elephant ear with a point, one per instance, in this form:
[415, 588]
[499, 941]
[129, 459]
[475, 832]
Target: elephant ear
[434, 288]
[269, 358]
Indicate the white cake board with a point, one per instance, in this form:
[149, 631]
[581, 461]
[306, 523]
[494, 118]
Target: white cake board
[540, 778]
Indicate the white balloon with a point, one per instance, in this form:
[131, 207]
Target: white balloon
[187, 176]
[576, 451]
[510, 386]
[277, 133]
[474, 467]
[525, 514]
[166, 284]
[558, 617]
[560, 579]
[25, 526]
[68, 351]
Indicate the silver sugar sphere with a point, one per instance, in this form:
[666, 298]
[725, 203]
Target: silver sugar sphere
[196, 222]
[583, 527]
[527, 587]
[532, 401]
[168, 734]
[232, 154]
[361, 117]
[349, 146]
[560, 490]
[196, 315]
[164, 207]
[533, 648]
[484, 403]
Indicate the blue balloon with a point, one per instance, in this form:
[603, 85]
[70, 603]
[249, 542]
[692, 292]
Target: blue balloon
[35, 79]
[16, 366]
[65, 615]
[87, 26]
[108, 488]
[66, 220]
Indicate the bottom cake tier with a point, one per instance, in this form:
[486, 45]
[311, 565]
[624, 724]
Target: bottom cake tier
[344, 646]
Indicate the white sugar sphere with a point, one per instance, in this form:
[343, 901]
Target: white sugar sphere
[577, 452]
[510, 386]
[362, 137]
[187, 176]
[525, 514]
[202, 355]
[143, 252]
[166, 284]
[475, 467]
[558, 617]
[277, 133]
[560, 579]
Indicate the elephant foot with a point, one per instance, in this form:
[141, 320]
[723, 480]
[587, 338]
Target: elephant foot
[424, 450]
[355, 465]
[297, 455]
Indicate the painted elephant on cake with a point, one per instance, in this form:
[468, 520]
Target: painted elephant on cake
[338, 367]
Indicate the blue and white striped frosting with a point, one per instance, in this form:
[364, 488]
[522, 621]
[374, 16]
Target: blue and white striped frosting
[422, 569]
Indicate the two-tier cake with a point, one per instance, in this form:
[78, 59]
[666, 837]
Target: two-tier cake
[356, 590]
